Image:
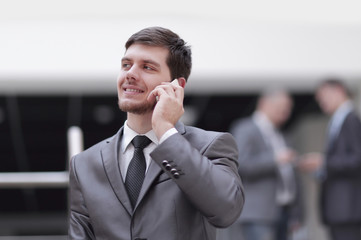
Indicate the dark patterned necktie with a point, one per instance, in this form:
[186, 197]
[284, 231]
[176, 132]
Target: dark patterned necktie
[136, 168]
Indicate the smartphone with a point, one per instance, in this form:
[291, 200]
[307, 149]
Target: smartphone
[174, 82]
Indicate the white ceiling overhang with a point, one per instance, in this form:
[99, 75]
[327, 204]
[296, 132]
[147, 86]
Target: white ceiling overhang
[62, 46]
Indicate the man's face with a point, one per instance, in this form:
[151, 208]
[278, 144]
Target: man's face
[281, 109]
[277, 108]
[327, 98]
[143, 68]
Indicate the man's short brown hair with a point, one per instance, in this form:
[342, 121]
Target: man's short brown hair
[335, 82]
[179, 58]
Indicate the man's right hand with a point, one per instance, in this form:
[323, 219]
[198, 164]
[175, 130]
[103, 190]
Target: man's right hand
[286, 156]
[169, 107]
[311, 162]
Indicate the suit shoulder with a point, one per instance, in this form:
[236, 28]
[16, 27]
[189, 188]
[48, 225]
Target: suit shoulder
[352, 121]
[95, 148]
[201, 132]
[242, 125]
[353, 116]
[199, 135]
[352, 124]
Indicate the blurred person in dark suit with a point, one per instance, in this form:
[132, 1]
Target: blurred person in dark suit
[339, 168]
[188, 184]
[266, 167]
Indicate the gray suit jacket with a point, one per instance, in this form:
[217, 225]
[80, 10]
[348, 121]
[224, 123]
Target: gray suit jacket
[259, 172]
[207, 194]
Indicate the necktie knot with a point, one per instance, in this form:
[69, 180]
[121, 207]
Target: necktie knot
[141, 141]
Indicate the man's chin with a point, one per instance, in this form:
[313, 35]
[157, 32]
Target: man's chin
[136, 109]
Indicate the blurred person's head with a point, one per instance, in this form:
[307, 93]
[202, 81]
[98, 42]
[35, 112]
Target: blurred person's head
[276, 105]
[331, 94]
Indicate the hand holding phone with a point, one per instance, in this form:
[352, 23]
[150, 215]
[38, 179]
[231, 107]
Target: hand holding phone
[174, 82]
[168, 107]
[310, 162]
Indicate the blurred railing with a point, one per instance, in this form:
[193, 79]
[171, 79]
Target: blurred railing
[54, 179]
[33, 179]
[33, 238]
[45, 179]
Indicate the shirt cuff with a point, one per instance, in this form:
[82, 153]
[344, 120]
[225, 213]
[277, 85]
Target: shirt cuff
[167, 134]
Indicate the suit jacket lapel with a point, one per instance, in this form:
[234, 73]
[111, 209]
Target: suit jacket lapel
[262, 138]
[110, 160]
[332, 138]
[155, 170]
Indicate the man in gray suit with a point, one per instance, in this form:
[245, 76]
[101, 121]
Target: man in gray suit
[189, 184]
[265, 165]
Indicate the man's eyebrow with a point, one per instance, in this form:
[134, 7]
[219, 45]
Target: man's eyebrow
[125, 59]
[152, 62]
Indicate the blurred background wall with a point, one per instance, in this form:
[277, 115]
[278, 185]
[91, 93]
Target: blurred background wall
[59, 62]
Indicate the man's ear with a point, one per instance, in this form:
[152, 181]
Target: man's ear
[182, 82]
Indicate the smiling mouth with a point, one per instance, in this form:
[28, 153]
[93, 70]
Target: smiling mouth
[132, 90]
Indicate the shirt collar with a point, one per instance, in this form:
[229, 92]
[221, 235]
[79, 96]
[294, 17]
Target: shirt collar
[129, 134]
[343, 110]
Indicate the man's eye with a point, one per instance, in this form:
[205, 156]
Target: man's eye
[148, 67]
[125, 65]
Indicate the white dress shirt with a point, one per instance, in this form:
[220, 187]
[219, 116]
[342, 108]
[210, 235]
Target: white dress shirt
[286, 188]
[337, 120]
[126, 150]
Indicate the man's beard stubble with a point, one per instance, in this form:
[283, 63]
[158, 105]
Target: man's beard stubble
[137, 109]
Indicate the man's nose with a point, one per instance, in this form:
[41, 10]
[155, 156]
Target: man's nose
[132, 73]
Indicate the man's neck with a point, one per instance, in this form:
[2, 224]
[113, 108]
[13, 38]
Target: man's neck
[140, 123]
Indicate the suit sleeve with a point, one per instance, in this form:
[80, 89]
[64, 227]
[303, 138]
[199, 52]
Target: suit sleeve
[254, 164]
[345, 159]
[79, 223]
[208, 176]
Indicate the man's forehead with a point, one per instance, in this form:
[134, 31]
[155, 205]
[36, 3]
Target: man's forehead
[327, 88]
[146, 53]
[147, 49]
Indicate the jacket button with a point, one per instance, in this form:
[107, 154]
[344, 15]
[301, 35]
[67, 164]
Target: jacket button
[168, 167]
[165, 162]
[173, 171]
[176, 175]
